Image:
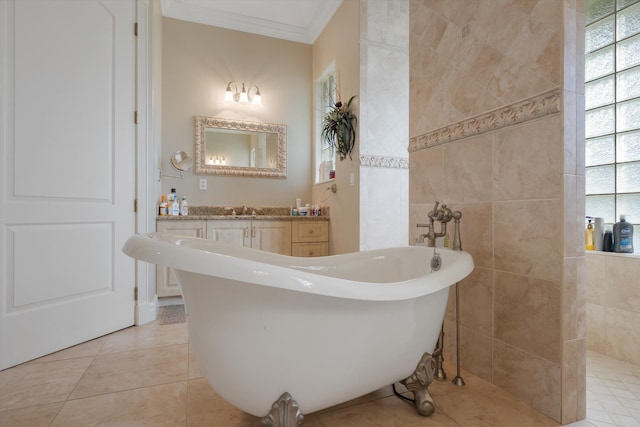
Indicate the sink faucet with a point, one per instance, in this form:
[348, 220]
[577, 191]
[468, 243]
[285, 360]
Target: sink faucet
[443, 215]
[245, 210]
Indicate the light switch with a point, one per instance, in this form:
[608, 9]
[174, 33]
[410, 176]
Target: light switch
[203, 183]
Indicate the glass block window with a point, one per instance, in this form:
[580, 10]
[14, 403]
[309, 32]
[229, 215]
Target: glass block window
[612, 117]
[326, 98]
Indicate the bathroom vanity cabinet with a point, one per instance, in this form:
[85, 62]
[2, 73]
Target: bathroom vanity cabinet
[166, 285]
[297, 237]
[310, 238]
[271, 236]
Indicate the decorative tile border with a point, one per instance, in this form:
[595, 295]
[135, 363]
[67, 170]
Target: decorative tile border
[533, 108]
[384, 162]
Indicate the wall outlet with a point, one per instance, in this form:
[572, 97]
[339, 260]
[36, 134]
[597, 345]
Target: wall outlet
[203, 183]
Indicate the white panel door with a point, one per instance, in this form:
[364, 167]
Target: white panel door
[67, 178]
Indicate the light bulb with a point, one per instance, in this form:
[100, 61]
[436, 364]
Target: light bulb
[257, 99]
[228, 95]
[243, 96]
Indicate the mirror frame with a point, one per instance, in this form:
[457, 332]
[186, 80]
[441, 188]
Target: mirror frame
[203, 122]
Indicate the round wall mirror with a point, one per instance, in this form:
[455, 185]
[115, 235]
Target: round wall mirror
[181, 161]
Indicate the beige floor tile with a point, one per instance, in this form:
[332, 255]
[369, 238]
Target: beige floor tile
[34, 416]
[148, 336]
[87, 349]
[206, 408]
[194, 368]
[40, 383]
[479, 403]
[133, 369]
[378, 394]
[157, 406]
[385, 412]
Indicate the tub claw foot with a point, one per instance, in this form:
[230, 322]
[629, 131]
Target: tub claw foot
[284, 413]
[418, 383]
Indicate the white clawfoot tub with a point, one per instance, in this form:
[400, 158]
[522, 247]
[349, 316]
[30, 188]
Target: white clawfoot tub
[325, 330]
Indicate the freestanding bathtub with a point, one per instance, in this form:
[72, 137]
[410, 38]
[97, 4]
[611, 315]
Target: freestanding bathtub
[325, 330]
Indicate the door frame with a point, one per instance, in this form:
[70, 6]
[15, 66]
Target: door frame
[149, 25]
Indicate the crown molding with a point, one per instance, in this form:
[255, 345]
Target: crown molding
[306, 29]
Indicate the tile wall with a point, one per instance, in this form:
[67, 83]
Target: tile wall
[495, 133]
[383, 123]
[613, 305]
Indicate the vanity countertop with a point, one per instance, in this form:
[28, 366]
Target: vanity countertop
[224, 212]
[242, 217]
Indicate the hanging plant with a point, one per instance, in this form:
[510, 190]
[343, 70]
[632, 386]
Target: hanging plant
[339, 128]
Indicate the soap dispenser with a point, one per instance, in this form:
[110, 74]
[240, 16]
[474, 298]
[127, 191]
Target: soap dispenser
[588, 236]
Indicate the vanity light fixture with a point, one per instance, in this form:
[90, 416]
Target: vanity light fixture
[242, 96]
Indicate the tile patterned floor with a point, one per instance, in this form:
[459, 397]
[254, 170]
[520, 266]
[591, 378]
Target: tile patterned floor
[613, 392]
[148, 376]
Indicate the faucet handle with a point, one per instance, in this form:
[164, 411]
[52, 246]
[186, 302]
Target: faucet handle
[434, 213]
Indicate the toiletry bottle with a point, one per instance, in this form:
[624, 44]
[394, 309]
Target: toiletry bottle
[184, 207]
[607, 240]
[175, 207]
[163, 206]
[588, 236]
[623, 236]
[447, 241]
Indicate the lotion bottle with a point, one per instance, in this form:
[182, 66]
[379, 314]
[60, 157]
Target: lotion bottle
[184, 207]
[623, 236]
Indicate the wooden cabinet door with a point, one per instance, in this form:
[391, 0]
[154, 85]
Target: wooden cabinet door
[272, 236]
[230, 231]
[166, 284]
[310, 231]
[310, 249]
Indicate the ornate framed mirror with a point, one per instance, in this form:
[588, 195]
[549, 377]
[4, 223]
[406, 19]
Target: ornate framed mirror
[238, 147]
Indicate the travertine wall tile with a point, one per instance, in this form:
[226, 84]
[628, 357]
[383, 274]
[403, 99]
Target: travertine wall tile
[499, 52]
[476, 353]
[596, 328]
[476, 296]
[528, 238]
[613, 305]
[533, 379]
[469, 169]
[574, 300]
[528, 161]
[528, 314]
[623, 335]
[477, 231]
[621, 278]
[426, 176]
[574, 368]
[596, 278]
[479, 62]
